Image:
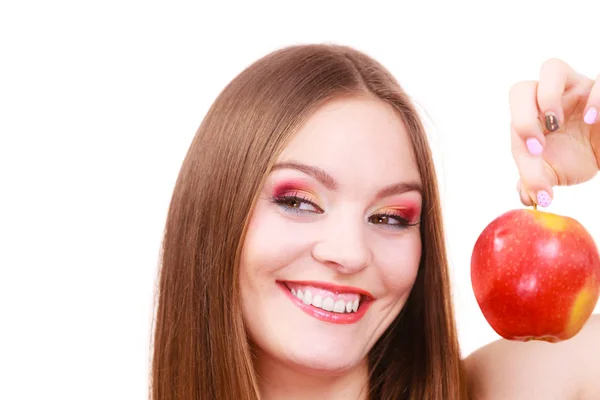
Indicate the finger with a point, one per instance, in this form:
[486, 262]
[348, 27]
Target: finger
[525, 116]
[536, 177]
[556, 76]
[523, 195]
[593, 104]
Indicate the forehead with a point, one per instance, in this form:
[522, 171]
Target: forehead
[362, 137]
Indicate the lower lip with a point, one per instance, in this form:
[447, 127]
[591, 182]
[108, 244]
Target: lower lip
[327, 316]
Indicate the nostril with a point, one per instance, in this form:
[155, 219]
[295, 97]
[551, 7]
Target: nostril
[345, 254]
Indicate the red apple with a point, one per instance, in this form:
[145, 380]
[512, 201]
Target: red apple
[535, 275]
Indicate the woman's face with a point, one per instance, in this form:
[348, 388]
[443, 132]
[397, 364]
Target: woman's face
[333, 245]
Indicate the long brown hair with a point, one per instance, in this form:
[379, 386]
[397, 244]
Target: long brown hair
[201, 350]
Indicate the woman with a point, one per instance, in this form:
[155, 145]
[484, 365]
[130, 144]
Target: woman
[304, 253]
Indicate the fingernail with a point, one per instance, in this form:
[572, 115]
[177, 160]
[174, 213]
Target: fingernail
[590, 116]
[534, 146]
[551, 121]
[543, 198]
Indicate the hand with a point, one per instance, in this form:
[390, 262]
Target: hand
[555, 131]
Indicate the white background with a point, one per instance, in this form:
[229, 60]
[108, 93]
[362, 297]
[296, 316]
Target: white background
[100, 100]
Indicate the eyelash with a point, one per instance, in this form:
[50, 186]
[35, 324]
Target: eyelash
[284, 200]
[401, 221]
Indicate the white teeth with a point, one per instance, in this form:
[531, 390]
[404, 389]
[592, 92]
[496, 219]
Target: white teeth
[340, 306]
[307, 297]
[349, 306]
[317, 301]
[327, 304]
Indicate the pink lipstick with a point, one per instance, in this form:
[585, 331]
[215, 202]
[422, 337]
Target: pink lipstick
[328, 302]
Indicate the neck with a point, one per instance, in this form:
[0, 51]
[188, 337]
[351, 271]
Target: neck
[281, 381]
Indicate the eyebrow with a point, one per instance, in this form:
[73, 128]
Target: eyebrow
[330, 183]
[317, 173]
[399, 188]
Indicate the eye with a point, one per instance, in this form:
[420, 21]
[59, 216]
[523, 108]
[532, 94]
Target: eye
[393, 220]
[296, 203]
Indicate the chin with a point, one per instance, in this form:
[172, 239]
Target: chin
[316, 348]
[325, 361]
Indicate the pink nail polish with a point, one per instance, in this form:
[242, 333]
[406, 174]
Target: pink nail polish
[543, 198]
[534, 146]
[590, 116]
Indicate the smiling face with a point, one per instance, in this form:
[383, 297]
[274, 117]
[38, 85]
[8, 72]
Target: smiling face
[333, 245]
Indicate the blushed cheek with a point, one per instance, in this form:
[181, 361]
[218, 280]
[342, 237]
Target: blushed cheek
[400, 265]
[257, 264]
[261, 238]
[273, 242]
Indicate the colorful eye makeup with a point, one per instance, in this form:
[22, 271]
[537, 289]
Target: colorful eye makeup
[295, 196]
[295, 185]
[396, 217]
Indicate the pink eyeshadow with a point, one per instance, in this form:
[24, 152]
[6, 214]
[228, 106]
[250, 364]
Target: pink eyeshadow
[290, 186]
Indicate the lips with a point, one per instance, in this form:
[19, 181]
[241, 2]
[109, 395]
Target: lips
[328, 302]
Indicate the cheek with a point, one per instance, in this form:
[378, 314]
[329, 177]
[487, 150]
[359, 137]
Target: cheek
[272, 242]
[398, 262]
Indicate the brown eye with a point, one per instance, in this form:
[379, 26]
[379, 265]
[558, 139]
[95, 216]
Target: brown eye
[297, 204]
[293, 203]
[389, 220]
[380, 219]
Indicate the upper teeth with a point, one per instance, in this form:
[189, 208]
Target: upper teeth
[327, 303]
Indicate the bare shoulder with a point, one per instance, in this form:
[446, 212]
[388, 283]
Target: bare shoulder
[538, 370]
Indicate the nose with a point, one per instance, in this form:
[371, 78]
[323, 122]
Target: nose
[343, 247]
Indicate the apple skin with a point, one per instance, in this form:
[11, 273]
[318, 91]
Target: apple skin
[535, 275]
